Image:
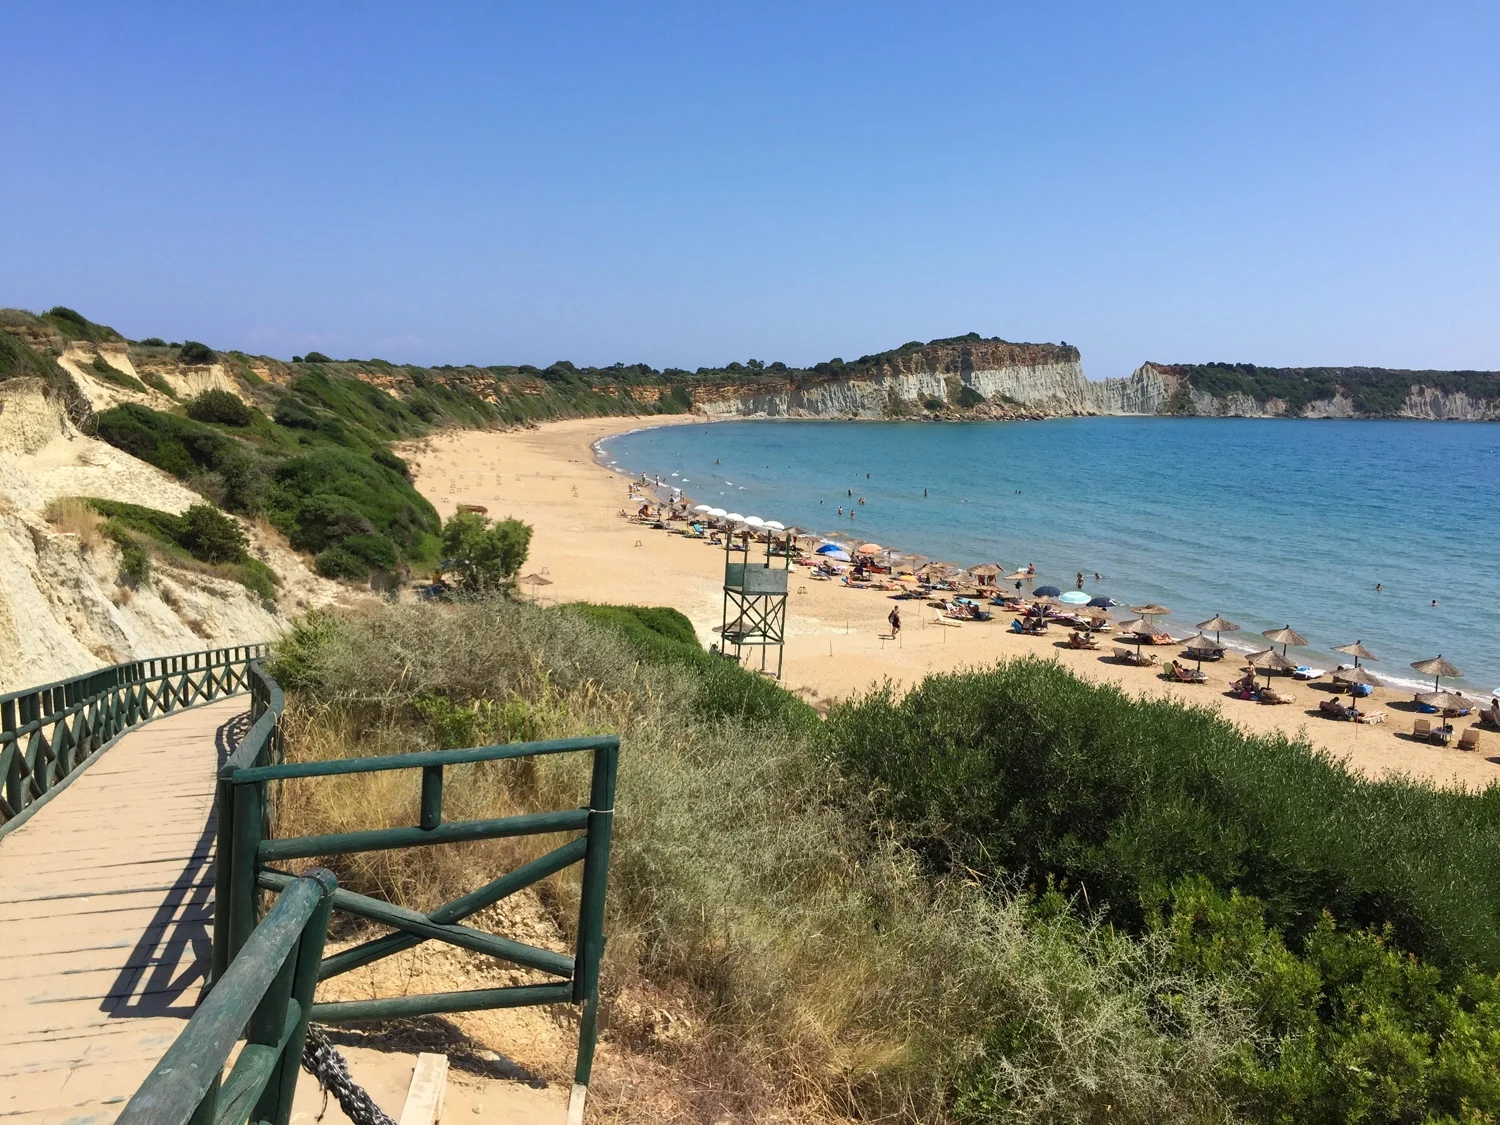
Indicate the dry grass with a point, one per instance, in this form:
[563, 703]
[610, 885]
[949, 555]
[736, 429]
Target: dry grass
[72, 516]
[770, 952]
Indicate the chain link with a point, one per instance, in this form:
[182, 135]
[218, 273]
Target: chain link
[321, 1059]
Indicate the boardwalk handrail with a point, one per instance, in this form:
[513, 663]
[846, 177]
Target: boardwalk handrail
[48, 733]
[266, 996]
[246, 849]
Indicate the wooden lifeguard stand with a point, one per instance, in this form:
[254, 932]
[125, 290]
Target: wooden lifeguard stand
[755, 598]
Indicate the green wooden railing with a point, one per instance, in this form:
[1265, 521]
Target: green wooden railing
[248, 783]
[264, 997]
[48, 733]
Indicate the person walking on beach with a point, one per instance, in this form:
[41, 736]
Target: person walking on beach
[895, 620]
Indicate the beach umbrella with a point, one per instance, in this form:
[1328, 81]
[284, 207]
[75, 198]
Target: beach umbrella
[1444, 701]
[535, 580]
[1200, 646]
[1150, 610]
[1358, 651]
[734, 517]
[1140, 628]
[1284, 637]
[1102, 602]
[1218, 623]
[1046, 591]
[1437, 668]
[1271, 661]
[833, 551]
[1017, 576]
[1357, 675]
[755, 521]
[702, 508]
[1075, 597]
[717, 513]
[985, 569]
[869, 549]
[776, 525]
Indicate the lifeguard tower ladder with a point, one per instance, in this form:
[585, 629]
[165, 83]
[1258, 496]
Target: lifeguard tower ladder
[755, 598]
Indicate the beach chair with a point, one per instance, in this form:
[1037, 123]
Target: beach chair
[1080, 640]
[1124, 656]
[1369, 717]
[1470, 739]
[1421, 728]
[1271, 695]
[1335, 710]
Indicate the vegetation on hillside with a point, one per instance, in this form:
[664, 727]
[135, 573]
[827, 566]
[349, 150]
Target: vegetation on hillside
[1374, 390]
[1010, 898]
[201, 538]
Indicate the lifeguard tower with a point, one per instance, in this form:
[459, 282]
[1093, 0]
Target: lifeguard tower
[755, 596]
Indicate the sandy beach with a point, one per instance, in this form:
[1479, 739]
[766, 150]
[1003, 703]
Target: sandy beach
[836, 644]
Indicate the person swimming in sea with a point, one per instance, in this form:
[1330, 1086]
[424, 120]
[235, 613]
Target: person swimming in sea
[841, 511]
[924, 494]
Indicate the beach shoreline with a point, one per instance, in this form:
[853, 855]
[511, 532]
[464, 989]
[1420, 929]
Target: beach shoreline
[554, 477]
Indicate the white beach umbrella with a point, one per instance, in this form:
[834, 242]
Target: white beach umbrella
[717, 513]
[755, 521]
[702, 508]
[734, 517]
[776, 525]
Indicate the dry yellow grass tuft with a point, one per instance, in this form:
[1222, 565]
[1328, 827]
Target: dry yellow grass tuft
[73, 516]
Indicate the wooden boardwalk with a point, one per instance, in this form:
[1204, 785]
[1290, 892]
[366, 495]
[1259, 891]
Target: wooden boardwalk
[106, 917]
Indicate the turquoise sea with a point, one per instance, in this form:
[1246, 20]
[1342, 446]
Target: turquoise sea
[1269, 522]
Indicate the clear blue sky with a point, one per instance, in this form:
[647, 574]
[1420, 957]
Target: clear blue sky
[690, 184]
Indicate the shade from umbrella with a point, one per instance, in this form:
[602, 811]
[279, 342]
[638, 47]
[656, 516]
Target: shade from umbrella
[1219, 624]
[869, 549]
[1437, 668]
[1047, 591]
[1284, 637]
[1075, 597]
[1358, 651]
[1102, 602]
[702, 508]
[1150, 610]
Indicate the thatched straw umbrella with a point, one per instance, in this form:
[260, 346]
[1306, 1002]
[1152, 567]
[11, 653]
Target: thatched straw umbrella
[1137, 626]
[1445, 701]
[1284, 637]
[1218, 623]
[1200, 646]
[1358, 651]
[1437, 668]
[1271, 661]
[1357, 675]
[1151, 609]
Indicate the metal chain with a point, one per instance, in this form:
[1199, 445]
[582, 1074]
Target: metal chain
[321, 1059]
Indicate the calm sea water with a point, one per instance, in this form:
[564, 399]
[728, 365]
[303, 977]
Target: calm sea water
[1269, 522]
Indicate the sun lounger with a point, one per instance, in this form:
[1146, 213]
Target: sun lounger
[1303, 672]
[1421, 728]
[1080, 640]
[1271, 695]
[1470, 739]
[1369, 717]
[1185, 675]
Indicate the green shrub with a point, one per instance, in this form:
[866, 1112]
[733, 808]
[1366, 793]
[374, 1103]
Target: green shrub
[316, 357]
[388, 460]
[968, 398]
[198, 354]
[101, 368]
[375, 551]
[220, 406]
[210, 535]
[1025, 768]
[484, 557]
[336, 562]
[152, 342]
[153, 380]
[135, 562]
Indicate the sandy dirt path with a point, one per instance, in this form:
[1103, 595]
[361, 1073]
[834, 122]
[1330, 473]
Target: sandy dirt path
[548, 477]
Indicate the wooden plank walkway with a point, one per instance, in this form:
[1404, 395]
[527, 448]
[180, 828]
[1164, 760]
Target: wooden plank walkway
[106, 920]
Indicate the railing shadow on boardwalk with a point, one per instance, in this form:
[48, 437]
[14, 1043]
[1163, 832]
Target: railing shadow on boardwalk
[171, 961]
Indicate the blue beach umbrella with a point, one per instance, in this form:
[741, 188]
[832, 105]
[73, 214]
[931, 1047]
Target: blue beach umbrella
[833, 551]
[1046, 592]
[1102, 602]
